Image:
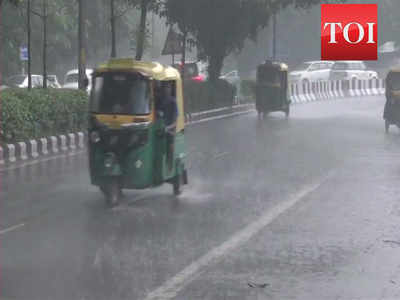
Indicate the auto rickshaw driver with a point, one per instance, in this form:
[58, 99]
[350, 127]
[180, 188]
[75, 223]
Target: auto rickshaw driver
[169, 111]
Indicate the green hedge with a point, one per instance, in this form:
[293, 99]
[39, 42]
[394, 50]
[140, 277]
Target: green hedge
[200, 96]
[37, 113]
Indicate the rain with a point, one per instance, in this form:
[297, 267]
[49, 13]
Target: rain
[199, 149]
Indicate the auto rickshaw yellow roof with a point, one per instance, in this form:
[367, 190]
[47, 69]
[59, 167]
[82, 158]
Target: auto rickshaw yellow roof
[153, 70]
[276, 65]
[283, 66]
[395, 70]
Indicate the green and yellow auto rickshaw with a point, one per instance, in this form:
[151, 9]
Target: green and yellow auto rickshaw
[130, 144]
[272, 88]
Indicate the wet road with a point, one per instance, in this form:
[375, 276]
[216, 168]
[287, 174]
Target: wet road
[307, 208]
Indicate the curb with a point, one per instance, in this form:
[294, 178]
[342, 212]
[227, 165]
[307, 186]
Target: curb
[42, 147]
[21, 152]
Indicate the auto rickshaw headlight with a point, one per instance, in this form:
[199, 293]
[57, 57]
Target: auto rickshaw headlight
[95, 137]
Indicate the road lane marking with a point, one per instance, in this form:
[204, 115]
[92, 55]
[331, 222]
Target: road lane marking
[219, 155]
[174, 285]
[12, 228]
[220, 117]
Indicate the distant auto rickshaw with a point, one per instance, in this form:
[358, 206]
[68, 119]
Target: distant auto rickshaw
[130, 144]
[272, 88]
[392, 107]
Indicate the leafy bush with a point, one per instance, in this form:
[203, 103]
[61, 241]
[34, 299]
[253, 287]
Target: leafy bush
[37, 113]
[200, 96]
[248, 90]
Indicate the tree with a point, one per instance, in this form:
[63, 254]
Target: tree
[81, 46]
[14, 2]
[142, 29]
[44, 17]
[179, 13]
[221, 27]
[144, 6]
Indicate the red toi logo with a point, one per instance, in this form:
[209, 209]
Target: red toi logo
[349, 32]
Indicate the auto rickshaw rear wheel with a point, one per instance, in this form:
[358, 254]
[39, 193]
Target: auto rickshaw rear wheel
[179, 180]
[262, 115]
[112, 192]
[387, 125]
[177, 184]
[287, 112]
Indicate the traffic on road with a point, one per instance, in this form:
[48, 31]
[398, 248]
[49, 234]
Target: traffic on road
[169, 149]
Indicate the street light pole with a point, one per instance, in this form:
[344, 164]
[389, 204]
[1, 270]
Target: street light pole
[153, 54]
[44, 14]
[113, 38]
[28, 12]
[81, 47]
[274, 36]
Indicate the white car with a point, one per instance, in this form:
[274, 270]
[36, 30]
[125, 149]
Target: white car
[52, 81]
[351, 70]
[72, 78]
[311, 71]
[21, 81]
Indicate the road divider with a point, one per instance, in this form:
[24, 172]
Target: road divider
[302, 92]
[35, 149]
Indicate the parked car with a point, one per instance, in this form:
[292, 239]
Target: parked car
[52, 82]
[311, 71]
[351, 70]
[195, 70]
[21, 81]
[72, 77]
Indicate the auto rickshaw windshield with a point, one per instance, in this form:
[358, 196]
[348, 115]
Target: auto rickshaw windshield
[120, 93]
